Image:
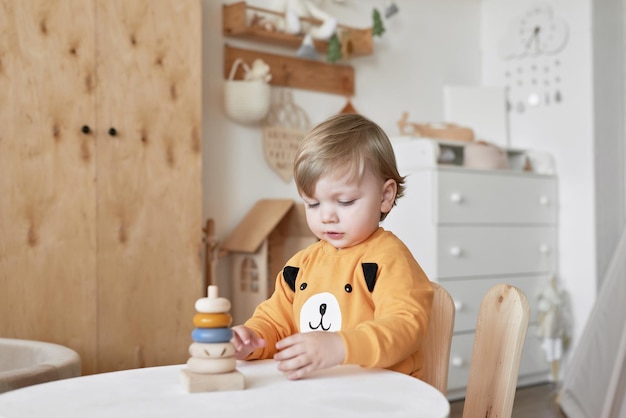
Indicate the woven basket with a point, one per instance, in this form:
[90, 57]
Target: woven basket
[246, 101]
[285, 126]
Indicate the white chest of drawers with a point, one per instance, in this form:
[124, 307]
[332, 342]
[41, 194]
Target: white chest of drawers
[470, 229]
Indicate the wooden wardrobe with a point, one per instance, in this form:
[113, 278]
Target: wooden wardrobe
[100, 177]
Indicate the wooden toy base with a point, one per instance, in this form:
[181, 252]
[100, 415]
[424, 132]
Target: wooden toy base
[198, 382]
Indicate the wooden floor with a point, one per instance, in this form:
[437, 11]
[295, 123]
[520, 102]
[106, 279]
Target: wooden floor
[530, 402]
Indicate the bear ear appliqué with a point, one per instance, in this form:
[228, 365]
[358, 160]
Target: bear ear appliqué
[289, 276]
[369, 271]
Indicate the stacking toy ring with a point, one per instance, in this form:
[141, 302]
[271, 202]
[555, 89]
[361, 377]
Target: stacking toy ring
[212, 350]
[212, 335]
[212, 305]
[212, 366]
[214, 320]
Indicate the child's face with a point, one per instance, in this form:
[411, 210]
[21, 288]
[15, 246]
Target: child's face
[345, 211]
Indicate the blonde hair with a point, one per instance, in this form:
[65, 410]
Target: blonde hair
[348, 142]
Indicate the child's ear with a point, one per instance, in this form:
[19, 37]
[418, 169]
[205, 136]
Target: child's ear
[390, 189]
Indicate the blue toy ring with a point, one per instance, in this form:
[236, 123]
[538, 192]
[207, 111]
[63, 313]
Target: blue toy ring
[212, 335]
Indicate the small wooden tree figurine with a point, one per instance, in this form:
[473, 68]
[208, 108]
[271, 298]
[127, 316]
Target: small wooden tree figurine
[333, 53]
[377, 28]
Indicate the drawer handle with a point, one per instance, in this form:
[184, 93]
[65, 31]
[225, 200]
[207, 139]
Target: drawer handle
[458, 305]
[456, 197]
[455, 251]
[544, 249]
[544, 201]
[457, 361]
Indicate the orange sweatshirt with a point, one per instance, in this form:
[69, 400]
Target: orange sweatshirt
[374, 295]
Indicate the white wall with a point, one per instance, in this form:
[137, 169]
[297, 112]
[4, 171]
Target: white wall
[426, 45]
[608, 86]
[565, 130]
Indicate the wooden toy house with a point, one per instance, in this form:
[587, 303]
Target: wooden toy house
[270, 233]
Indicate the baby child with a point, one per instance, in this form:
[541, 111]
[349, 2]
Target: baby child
[357, 296]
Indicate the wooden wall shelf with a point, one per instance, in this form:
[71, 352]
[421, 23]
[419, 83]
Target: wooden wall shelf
[295, 72]
[235, 23]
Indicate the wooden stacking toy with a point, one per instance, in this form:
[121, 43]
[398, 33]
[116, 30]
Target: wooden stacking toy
[212, 366]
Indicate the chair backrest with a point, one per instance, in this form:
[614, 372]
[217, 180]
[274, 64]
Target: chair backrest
[500, 334]
[438, 339]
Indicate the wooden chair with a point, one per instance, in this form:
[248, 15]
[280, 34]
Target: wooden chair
[500, 334]
[438, 340]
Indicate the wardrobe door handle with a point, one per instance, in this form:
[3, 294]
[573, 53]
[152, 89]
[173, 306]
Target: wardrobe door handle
[455, 251]
[86, 129]
[112, 132]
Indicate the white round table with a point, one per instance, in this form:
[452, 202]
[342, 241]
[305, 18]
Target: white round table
[342, 391]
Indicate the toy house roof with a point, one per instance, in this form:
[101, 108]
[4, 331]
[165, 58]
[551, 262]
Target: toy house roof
[267, 216]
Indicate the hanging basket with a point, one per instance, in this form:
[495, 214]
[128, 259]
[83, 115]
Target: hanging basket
[246, 101]
[285, 126]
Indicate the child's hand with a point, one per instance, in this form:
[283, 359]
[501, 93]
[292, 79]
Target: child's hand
[245, 341]
[300, 354]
